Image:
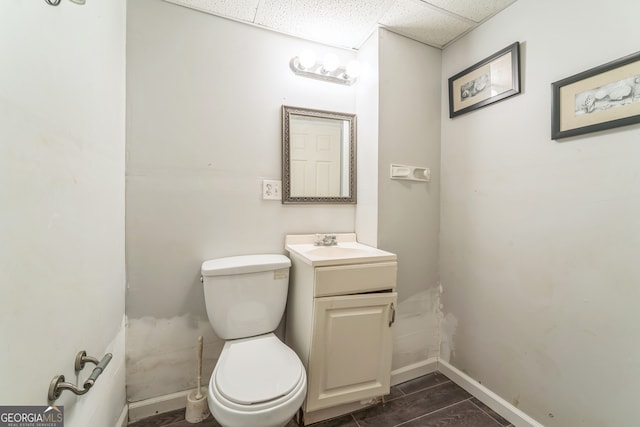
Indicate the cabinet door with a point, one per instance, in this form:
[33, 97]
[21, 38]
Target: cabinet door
[350, 356]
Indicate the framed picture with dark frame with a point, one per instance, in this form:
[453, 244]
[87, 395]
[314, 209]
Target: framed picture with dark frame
[490, 80]
[603, 97]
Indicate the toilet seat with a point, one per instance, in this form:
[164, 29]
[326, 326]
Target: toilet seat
[257, 371]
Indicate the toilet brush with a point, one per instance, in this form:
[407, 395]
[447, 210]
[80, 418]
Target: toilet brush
[197, 408]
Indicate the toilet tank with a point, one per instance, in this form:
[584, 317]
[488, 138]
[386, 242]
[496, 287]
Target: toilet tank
[245, 295]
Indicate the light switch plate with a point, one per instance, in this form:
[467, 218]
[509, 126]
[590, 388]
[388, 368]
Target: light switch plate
[271, 190]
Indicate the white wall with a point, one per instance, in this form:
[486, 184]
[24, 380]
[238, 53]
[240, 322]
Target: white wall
[204, 129]
[539, 239]
[62, 89]
[408, 211]
[367, 94]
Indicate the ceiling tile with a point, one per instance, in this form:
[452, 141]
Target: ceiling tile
[417, 20]
[477, 11]
[348, 23]
[244, 10]
[335, 22]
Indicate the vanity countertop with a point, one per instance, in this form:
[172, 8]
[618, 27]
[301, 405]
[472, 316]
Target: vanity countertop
[347, 251]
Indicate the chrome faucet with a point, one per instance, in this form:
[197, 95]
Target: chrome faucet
[326, 240]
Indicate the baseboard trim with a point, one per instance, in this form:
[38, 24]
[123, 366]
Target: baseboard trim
[413, 371]
[158, 405]
[123, 418]
[170, 402]
[486, 396]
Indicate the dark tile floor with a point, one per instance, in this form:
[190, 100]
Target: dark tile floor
[429, 401]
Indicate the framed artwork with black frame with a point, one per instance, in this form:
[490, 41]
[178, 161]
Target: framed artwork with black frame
[490, 80]
[603, 97]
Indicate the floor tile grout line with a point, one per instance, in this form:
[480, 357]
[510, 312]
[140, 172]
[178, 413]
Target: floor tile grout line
[426, 388]
[354, 419]
[386, 400]
[430, 413]
[482, 409]
[409, 394]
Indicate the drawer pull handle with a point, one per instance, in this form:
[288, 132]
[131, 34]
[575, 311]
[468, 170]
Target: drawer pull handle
[392, 313]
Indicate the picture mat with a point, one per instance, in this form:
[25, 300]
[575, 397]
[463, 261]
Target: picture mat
[570, 120]
[501, 78]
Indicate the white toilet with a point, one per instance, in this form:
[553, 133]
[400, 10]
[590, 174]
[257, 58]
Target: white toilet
[258, 381]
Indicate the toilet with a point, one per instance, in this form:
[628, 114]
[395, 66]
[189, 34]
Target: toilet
[258, 381]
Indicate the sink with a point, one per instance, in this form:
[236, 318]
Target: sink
[347, 251]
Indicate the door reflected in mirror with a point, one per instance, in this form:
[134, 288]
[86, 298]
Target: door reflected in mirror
[318, 156]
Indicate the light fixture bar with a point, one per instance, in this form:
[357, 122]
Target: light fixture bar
[317, 71]
[57, 2]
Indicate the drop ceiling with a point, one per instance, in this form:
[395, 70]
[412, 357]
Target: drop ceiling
[348, 23]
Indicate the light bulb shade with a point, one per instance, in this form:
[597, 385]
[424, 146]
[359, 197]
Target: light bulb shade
[353, 69]
[330, 62]
[307, 59]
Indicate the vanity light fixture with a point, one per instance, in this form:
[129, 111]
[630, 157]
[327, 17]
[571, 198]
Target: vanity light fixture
[57, 2]
[328, 70]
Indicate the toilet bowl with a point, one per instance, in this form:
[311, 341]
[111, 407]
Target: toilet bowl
[258, 381]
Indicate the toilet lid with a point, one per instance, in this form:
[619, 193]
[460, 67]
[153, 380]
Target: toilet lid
[258, 369]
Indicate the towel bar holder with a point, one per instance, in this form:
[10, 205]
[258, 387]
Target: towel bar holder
[58, 384]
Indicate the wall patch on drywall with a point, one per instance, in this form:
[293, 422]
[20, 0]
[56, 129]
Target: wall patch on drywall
[448, 327]
[161, 354]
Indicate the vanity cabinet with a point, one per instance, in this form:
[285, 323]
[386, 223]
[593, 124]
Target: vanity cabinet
[339, 322]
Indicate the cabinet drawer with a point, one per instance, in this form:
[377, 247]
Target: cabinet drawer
[355, 279]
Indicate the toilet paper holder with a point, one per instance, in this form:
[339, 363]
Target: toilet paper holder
[410, 173]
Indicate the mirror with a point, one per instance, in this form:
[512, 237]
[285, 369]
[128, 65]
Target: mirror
[318, 156]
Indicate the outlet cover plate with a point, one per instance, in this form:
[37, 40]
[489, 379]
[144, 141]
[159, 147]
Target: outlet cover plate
[271, 190]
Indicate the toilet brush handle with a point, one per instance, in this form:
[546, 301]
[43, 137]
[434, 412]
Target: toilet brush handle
[198, 393]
